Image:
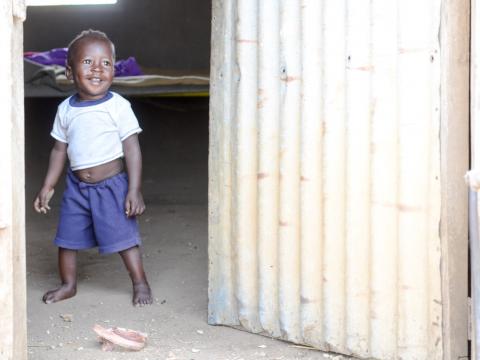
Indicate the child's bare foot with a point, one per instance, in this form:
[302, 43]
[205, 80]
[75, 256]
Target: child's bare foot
[142, 295]
[61, 293]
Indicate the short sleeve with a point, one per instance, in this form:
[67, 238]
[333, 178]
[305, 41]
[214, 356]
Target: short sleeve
[59, 132]
[127, 121]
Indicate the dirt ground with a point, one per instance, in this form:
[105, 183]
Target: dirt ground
[174, 233]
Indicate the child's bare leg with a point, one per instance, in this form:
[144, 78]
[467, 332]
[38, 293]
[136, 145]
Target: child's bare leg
[67, 267]
[142, 295]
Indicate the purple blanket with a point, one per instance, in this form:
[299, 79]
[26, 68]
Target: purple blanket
[128, 67]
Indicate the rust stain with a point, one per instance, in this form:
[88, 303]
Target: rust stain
[261, 176]
[303, 178]
[283, 223]
[261, 102]
[400, 207]
[309, 331]
[289, 78]
[247, 41]
[408, 208]
[361, 68]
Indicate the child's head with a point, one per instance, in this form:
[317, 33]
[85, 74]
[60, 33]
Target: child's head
[90, 64]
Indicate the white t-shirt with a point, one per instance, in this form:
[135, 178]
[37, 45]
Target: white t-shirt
[94, 130]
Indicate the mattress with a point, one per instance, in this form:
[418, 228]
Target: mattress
[50, 81]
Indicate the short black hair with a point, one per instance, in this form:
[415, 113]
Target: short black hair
[87, 34]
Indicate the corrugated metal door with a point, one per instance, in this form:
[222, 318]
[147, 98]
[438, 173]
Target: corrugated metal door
[324, 189]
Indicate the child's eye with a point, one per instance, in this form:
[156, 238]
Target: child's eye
[106, 63]
[87, 61]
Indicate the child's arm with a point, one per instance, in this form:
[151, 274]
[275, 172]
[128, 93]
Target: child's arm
[58, 156]
[134, 204]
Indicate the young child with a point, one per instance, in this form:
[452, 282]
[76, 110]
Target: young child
[95, 128]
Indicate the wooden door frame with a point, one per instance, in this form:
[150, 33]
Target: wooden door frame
[454, 154]
[13, 316]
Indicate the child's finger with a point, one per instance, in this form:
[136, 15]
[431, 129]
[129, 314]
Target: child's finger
[133, 210]
[44, 204]
[128, 208]
[36, 205]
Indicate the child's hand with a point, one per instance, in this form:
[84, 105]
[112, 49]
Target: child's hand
[134, 204]
[43, 198]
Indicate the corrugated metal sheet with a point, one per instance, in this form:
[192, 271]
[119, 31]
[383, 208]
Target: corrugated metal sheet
[324, 174]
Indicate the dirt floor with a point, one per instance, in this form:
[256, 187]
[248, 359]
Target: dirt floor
[174, 232]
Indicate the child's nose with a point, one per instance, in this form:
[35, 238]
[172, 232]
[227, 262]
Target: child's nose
[97, 67]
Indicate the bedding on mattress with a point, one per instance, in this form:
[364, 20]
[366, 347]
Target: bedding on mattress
[50, 81]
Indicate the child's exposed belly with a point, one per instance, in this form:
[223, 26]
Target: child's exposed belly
[100, 172]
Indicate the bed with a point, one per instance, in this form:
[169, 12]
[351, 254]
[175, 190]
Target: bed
[50, 81]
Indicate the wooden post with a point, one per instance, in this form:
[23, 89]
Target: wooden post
[13, 334]
[454, 133]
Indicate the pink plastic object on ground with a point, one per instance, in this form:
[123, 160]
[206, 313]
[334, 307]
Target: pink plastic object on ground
[126, 338]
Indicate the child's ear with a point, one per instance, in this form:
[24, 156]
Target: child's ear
[68, 72]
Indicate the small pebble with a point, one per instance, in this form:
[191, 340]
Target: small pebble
[195, 350]
[200, 332]
[67, 317]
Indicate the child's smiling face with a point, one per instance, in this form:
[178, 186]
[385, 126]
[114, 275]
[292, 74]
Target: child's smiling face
[92, 68]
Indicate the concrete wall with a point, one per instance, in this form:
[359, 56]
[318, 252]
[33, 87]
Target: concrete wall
[159, 33]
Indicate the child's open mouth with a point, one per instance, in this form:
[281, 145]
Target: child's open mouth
[95, 80]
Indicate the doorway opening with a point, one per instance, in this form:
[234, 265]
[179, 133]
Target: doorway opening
[165, 38]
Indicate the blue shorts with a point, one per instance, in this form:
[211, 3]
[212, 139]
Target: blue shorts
[94, 215]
